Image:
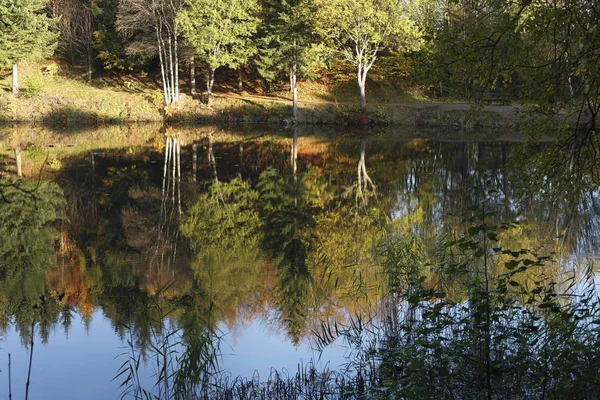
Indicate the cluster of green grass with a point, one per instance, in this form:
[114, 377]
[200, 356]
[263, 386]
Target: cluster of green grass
[47, 98]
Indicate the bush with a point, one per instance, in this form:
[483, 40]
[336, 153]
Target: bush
[50, 69]
[32, 85]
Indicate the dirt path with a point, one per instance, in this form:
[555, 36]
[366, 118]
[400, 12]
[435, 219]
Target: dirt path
[512, 110]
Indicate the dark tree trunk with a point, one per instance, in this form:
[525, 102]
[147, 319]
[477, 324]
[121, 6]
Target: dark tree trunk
[192, 75]
[194, 161]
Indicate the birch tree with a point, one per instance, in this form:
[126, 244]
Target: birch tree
[359, 30]
[151, 24]
[220, 33]
[25, 34]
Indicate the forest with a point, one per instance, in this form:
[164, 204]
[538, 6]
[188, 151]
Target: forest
[541, 54]
[195, 195]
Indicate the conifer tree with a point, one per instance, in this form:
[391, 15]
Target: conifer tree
[287, 42]
[25, 34]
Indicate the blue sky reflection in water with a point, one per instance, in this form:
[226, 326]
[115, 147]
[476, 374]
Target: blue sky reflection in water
[85, 360]
[278, 235]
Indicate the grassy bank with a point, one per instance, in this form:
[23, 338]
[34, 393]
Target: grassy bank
[259, 110]
[49, 97]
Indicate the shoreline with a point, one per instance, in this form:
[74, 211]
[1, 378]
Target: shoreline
[107, 108]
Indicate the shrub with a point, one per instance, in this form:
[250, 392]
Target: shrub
[50, 69]
[32, 85]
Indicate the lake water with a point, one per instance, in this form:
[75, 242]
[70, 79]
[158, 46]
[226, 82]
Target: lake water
[260, 236]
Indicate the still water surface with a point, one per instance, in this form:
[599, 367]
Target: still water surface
[260, 235]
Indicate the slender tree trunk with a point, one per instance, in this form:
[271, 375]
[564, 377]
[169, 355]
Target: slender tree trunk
[194, 161]
[170, 58]
[15, 79]
[90, 38]
[192, 75]
[176, 67]
[89, 61]
[241, 157]
[294, 160]
[18, 161]
[178, 169]
[9, 379]
[165, 188]
[365, 183]
[294, 85]
[210, 81]
[162, 67]
[240, 80]
[30, 361]
[294, 152]
[294, 94]
[359, 189]
[173, 168]
[212, 162]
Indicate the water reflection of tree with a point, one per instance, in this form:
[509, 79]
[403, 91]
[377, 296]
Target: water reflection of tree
[165, 247]
[290, 240]
[566, 202]
[151, 220]
[287, 210]
[365, 187]
[223, 228]
[27, 213]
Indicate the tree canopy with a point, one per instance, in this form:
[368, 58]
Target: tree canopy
[360, 30]
[220, 32]
[25, 31]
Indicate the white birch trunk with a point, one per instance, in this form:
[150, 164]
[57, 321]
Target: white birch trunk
[176, 67]
[170, 69]
[162, 67]
[210, 81]
[15, 79]
[294, 75]
[363, 97]
[294, 94]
